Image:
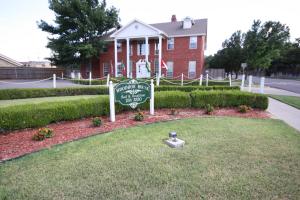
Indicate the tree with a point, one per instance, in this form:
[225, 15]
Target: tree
[264, 43]
[78, 30]
[231, 56]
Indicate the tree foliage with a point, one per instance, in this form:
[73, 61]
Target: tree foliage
[79, 27]
[258, 47]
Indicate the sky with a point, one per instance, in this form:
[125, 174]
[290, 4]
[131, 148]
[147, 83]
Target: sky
[22, 40]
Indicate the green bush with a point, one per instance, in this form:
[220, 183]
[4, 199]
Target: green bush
[50, 92]
[92, 90]
[209, 109]
[228, 99]
[37, 115]
[192, 88]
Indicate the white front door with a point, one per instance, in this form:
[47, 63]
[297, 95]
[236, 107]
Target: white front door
[141, 70]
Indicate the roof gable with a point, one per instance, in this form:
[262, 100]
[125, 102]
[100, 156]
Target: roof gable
[137, 28]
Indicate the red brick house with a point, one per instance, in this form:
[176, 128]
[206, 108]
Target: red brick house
[178, 44]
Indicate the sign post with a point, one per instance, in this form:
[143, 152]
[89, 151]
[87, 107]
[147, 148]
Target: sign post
[112, 102]
[152, 98]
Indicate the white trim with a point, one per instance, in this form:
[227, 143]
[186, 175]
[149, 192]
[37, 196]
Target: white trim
[11, 61]
[127, 57]
[188, 35]
[114, 35]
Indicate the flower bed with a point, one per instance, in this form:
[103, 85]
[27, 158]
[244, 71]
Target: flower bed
[18, 143]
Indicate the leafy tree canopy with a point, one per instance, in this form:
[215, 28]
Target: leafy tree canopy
[79, 27]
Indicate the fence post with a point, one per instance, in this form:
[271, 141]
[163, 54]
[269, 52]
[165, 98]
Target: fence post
[78, 75]
[250, 84]
[152, 98]
[182, 79]
[200, 80]
[90, 78]
[207, 79]
[107, 80]
[229, 80]
[262, 84]
[243, 82]
[112, 102]
[54, 80]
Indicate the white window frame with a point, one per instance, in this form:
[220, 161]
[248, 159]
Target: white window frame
[193, 42]
[119, 46]
[156, 50]
[170, 43]
[192, 74]
[105, 70]
[170, 73]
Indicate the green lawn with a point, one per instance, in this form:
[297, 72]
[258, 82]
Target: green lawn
[224, 158]
[5, 103]
[290, 100]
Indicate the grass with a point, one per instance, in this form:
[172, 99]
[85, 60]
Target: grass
[14, 102]
[224, 158]
[290, 100]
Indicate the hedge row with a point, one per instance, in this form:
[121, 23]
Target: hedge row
[37, 115]
[228, 99]
[7, 94]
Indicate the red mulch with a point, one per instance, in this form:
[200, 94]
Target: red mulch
[18, 143]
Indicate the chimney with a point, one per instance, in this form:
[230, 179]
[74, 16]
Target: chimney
[173, 19]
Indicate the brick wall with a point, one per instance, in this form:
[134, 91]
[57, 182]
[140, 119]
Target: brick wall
[180, 55]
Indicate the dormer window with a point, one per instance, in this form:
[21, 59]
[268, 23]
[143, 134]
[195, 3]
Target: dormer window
[170, 43]
[187, 23]
[193, 42]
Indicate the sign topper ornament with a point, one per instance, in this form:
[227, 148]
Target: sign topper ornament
[132, 92]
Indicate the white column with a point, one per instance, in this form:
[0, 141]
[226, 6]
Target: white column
[146, 49]
[262, 84]
[157, 79]
[107, 80]
[200, 81]
[152, 98]
[250, 84]
[159, 55]
[54, 80]
[78, 75]
[116, 57]
[62, 75]
[127, 57]
[229, 79]
[90, 78]
[112, 102]
[181, 79]
[207, 79]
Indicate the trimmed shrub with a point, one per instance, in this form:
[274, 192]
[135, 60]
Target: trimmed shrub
[50, 92]
[93, 90]
[228, 99]
[192, 88]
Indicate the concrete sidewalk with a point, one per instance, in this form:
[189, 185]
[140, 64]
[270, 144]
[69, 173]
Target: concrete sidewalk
[288, 114]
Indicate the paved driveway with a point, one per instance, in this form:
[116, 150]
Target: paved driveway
[35, 84]
[285, 84]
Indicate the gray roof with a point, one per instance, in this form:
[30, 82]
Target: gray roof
[175, 28]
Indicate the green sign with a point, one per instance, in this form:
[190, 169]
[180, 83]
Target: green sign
[132, 92]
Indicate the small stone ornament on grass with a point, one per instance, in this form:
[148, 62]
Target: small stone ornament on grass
[173, 141]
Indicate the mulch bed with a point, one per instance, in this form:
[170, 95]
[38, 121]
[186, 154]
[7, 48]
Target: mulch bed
[19, 143]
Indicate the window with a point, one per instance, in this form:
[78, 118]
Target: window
[193, 42]
[170, 69]
[105, 69]
[156, 66]
[141, 48]
[192, 69]
[170, 43]
[156, 51]
[119, 46]
[120, 69]
[131, 50]
[105, 48]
